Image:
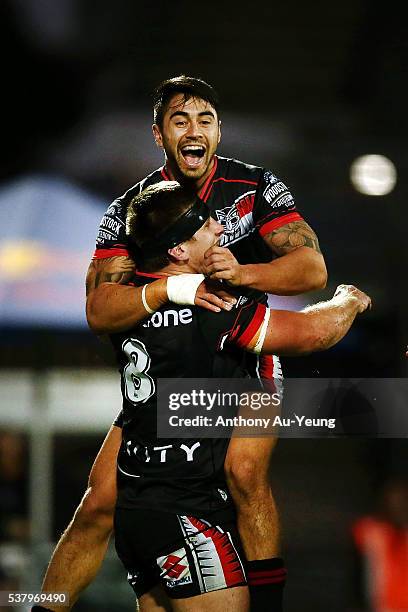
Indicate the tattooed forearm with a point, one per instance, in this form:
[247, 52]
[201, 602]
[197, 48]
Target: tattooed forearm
[292, 236]
[110, 270]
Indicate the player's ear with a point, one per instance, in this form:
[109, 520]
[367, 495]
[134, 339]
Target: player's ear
[179, 252]
[157, 135]
[219, 132]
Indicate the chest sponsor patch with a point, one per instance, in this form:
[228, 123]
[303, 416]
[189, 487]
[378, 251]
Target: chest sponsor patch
[237, 219]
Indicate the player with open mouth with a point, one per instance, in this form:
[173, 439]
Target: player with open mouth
[266, 247]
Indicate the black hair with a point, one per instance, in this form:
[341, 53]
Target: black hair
[151, 212]
[190, 87]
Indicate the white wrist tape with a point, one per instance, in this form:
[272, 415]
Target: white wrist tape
[182, 288]
[259, 343]
[144, 301]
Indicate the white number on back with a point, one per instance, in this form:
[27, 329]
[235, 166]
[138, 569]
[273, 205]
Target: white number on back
[139, 386]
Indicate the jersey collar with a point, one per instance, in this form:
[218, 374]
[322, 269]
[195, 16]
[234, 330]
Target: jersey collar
[206, 188]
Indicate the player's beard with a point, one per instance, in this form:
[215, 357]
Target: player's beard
[193, 178]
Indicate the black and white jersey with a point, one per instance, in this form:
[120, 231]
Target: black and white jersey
[248, 201]
[176, 342]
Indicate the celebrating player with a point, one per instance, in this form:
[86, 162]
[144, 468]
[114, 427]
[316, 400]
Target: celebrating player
[175, 524]
[266, 247]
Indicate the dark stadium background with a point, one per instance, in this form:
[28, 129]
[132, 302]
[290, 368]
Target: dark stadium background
[305, 88]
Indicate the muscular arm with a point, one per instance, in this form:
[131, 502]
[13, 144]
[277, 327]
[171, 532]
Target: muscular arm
[316, 328]
[298, 268]
[113, 306]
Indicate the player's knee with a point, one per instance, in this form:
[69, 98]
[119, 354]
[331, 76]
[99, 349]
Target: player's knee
[246, 478]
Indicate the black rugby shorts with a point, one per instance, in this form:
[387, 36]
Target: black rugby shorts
[187, 555]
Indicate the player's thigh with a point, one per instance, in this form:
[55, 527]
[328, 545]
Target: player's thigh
[155, 600]
[102, 478]
[227, 600]
[249, 458]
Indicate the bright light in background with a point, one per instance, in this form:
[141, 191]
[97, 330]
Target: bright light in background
[373, 175]
[18, 259]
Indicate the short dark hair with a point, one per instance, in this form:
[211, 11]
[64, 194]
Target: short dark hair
[151, 212]
[191, 87]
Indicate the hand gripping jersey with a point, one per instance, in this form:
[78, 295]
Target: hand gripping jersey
[249, 201]
[187, 475]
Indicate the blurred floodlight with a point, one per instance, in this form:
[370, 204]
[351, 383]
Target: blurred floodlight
[20, 258]
[373, 175]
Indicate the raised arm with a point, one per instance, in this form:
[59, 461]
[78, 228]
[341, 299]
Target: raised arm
[316, 328]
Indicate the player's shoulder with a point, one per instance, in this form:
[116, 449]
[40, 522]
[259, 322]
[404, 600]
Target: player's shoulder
[234, 169]
[150, 179]
[117, 209]
[112, 227]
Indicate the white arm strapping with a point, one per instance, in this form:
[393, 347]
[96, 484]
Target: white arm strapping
[182, 288]
[261, 339]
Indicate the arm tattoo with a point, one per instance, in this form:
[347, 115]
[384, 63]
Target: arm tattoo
[110, 270]
[292, 236]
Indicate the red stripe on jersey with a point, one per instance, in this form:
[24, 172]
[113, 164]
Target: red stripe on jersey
[113, 252]
[230, 562]
[256, 322]
[202, 192]
[272, 225]
[246, 205]
[164, 174]
[266, 366]
[148, 274]
[224, 180]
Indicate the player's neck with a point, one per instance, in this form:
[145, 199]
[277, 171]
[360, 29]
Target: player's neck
[173, 269]
[176, 175]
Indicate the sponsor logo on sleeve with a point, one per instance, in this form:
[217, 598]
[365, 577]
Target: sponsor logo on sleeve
[275, 192]
[111, 224]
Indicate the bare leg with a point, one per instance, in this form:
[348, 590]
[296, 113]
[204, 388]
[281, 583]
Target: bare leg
[155, 600]
[82, 547]
[235, 599]
[246, 468]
